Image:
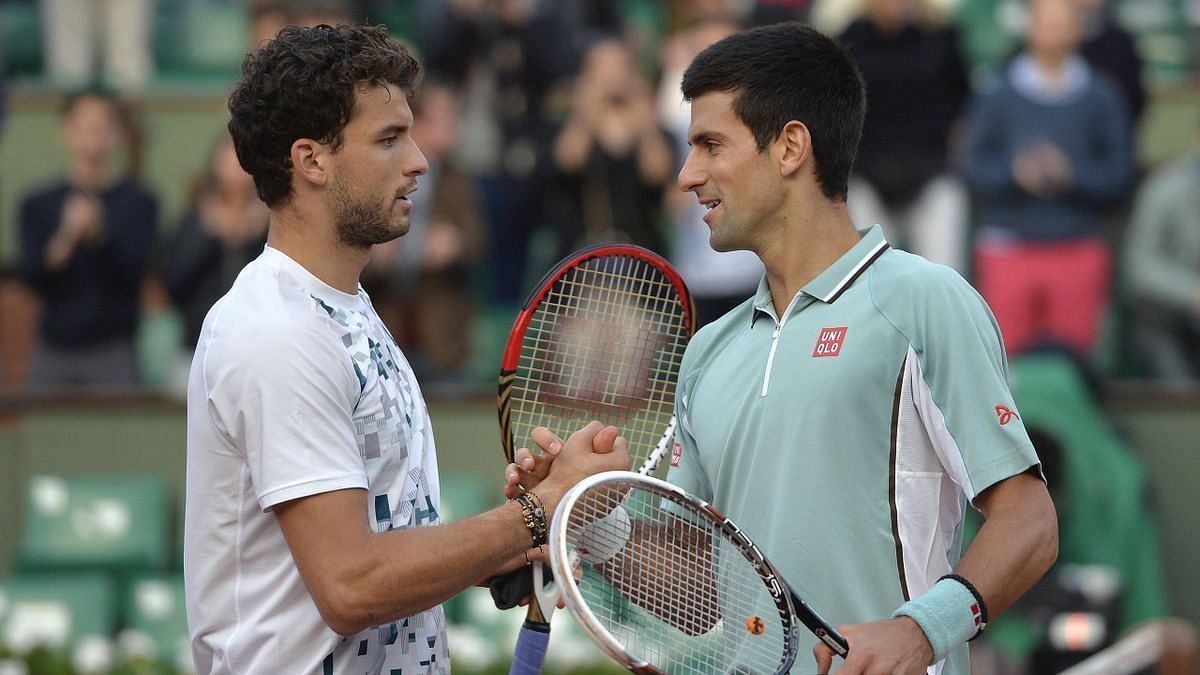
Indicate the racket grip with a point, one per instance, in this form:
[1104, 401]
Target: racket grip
[531, 649]
[509, 589]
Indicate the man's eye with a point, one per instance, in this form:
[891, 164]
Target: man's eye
[389, 141]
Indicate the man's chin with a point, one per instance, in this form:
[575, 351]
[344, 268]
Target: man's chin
[396, 232]
[374, 238]
[721, 244]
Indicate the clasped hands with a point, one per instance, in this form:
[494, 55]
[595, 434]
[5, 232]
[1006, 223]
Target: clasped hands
[592, 449]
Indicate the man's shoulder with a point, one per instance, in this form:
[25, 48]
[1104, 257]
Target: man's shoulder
[907, 275]
[266, 305]
[912, 292]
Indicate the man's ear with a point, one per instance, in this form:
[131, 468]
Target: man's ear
[309, 161]
[795, 145]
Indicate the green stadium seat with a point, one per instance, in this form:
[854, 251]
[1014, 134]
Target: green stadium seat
[114, 523]
[55, 611]
[463, 495]
[154, 613]
[21, 38]
[466, 494]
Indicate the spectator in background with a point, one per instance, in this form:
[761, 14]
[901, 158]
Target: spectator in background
[72, 30]
[3, 91]
[264, 19]
[916, 88]
[1109, 578]
[421, 284]
[1049, 152]
[85, 248]
[1112, 50]
[719, 280]
[267, 17]
[612, 160]
[1162, 269]
[509, 58]
[224, 228]
[766, 12]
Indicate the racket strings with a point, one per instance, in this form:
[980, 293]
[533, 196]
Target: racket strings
[673, 589]
[605, 343]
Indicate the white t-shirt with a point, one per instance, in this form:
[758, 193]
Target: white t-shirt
[297, 389]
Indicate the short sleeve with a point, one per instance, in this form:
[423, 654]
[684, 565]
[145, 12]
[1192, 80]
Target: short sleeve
[960, 386]
[286, 397]
[687, 469]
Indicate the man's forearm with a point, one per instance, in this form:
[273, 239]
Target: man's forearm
[1016, 545]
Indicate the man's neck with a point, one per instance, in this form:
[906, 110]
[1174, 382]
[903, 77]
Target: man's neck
[809, 244]
[316, 248]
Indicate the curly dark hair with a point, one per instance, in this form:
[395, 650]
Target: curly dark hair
[784, 72]
[302, 85]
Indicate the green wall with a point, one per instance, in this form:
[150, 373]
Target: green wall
[148, 437]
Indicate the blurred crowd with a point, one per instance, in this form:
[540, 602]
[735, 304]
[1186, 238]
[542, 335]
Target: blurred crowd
[552, 125]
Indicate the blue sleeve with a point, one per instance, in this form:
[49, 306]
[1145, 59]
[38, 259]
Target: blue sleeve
[1107, 173]
[989, 153]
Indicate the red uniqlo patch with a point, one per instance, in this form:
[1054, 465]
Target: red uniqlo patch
[676, 453]
[829, 342]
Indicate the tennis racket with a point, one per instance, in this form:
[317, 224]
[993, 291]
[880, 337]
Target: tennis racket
[600, 338]
[664, 583]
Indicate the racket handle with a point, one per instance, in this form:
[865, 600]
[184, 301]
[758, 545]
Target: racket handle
[508, 590]
[531, 649]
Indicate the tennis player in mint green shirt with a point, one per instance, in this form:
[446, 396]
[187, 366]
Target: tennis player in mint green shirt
[850, 411]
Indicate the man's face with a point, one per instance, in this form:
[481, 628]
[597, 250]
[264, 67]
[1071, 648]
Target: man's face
[91, 130]
[738, 184]
[377, 167]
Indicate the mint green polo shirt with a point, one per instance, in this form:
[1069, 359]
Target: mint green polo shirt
[847, 436]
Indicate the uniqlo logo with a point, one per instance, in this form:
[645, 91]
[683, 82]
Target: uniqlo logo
[829, 342]
[676, 453]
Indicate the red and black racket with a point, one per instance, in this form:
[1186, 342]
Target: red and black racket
[600, 338]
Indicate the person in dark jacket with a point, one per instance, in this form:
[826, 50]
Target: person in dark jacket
[1049, 153]
[85, 246]
[917, 87]
[224, 228]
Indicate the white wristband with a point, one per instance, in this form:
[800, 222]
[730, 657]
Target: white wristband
[600, 540]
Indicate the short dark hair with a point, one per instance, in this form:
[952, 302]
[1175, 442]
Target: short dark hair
[784, 72]
[302, 85]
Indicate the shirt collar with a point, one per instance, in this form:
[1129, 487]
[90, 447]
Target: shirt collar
[1030, 80]
[829, 285]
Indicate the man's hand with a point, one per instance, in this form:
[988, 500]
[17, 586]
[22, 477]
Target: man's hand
[530, 469]
[880, 647]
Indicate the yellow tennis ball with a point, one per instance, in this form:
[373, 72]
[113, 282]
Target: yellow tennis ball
[755, 625]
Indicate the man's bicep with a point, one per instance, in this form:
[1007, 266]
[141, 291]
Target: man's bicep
[1024, 492]
[326, 534]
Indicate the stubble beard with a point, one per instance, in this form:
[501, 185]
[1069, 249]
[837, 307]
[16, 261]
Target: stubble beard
[360, 222]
